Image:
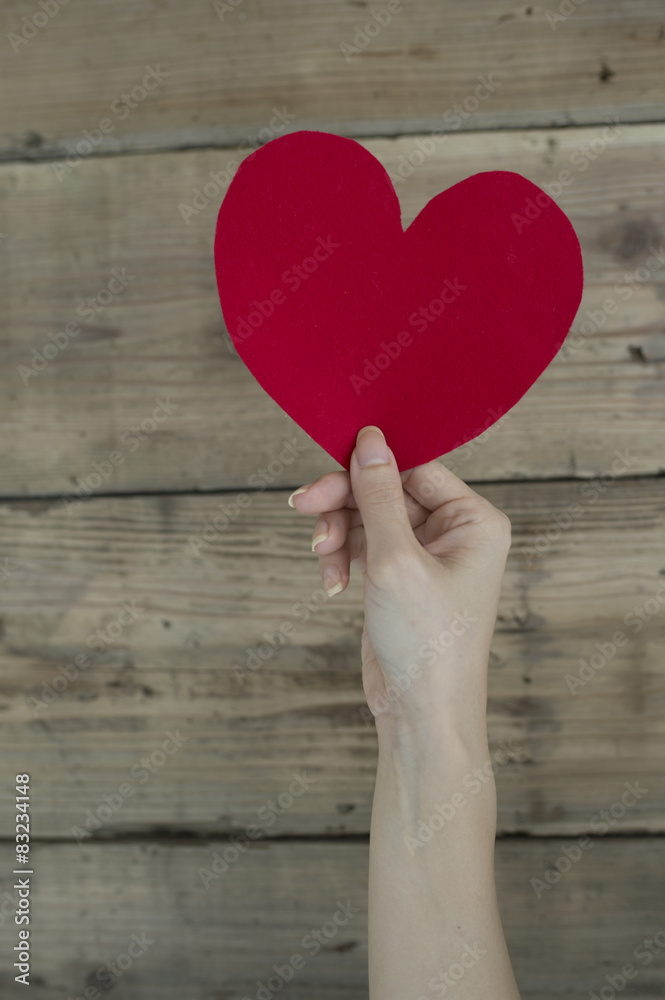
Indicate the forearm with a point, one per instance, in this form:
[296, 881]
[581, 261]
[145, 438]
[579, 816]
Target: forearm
[434, 924]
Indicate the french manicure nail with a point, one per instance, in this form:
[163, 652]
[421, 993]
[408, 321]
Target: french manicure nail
[303, 489]
[322, 535]
[332, 580]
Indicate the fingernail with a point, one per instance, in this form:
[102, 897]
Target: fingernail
[332, 581]
[321, 537]
[371, 448]
[303, 489]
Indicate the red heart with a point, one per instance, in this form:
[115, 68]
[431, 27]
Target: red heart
[345, 320]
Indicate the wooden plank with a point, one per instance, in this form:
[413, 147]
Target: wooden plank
[223, 940]
[161, 337]
[225, 76]
[202, 652]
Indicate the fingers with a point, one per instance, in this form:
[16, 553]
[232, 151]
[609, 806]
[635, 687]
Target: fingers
[335, 566]
[377, 489]
[330, 530]
[432, 485]
[330, 492]
[333, 492]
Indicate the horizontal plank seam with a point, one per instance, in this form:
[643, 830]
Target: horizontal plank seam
[21, 156]
[188, 839]
[26, 497]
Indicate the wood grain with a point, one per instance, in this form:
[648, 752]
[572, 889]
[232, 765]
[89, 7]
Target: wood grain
[225, 76]
[234, 645]
[223, 940]
[161, 338]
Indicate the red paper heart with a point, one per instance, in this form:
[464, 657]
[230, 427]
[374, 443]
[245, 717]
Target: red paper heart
[346, 320]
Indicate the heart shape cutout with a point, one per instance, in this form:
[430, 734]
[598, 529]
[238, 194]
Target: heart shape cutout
[345, 319]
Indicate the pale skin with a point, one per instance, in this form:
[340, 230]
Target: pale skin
[432, 554]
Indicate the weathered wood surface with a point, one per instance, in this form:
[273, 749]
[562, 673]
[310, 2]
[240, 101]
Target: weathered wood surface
[220, 941]
[181, 663]
[161, 338]
[225, 76]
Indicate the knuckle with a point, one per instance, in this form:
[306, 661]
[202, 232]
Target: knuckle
[383, 494]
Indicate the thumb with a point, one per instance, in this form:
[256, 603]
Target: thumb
[377, 489]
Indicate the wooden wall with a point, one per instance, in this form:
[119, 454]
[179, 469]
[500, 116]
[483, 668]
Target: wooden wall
[126, 631]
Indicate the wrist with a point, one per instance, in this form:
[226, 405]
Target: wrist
[433, 740]
[438, 780]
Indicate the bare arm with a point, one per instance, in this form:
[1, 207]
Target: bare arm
[434, 923]
[432, 553]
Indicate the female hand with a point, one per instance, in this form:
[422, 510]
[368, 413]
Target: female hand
[432, 553]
